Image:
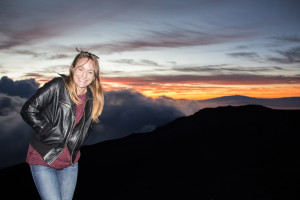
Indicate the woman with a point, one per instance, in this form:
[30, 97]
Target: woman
[62, 114]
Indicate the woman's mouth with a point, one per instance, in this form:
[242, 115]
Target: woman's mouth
[82, 80]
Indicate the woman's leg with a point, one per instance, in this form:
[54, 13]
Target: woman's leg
[46, 182]
[67, 179]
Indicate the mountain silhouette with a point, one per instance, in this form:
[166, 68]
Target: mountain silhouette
[243, 152]
[238, 100]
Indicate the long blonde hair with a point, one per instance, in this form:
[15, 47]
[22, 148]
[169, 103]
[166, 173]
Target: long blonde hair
[95, 85]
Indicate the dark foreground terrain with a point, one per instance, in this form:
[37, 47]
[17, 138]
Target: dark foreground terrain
[245, 152]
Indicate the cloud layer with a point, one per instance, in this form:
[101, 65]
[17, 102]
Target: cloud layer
[23, 88]
[15, 134]
[125, 112]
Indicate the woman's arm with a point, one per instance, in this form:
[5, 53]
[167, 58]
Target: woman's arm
[32, 109]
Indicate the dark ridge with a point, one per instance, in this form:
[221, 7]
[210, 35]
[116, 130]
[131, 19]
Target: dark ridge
[243, 152]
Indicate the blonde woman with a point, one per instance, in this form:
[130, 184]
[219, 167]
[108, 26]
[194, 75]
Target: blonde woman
[62, 114]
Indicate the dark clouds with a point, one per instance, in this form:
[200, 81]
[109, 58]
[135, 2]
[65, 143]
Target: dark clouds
[288, 38]
[23, 88]
[26, 37]
[143, 62]
[289, 56]
[171, 37]
[15, 134]
[248, 55]
[41, 55]
[10, 104]
[58, 56]
[284, 55]
[225, 68]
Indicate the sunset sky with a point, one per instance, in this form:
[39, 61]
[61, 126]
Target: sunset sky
[192, 49]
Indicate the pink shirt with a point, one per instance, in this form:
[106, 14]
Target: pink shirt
[64, 159]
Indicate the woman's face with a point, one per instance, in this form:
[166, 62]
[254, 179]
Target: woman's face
[83, 73]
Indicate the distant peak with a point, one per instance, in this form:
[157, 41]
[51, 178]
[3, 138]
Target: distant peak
[233, 97]
[249, 106]
[252, 107]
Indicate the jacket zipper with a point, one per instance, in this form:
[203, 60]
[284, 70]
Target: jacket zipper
[68, 136]
[79, 132]
[64, 104]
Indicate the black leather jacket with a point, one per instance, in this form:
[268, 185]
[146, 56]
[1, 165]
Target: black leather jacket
[51, 113]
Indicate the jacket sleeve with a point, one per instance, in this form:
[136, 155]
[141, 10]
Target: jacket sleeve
[31, 111]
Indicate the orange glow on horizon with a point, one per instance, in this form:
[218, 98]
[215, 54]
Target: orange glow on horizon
[196, 92]
[199, 91]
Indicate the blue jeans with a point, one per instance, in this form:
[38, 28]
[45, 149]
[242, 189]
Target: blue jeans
[55, 184]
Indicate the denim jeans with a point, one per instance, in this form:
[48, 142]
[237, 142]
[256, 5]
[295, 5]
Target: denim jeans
[55, 184]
